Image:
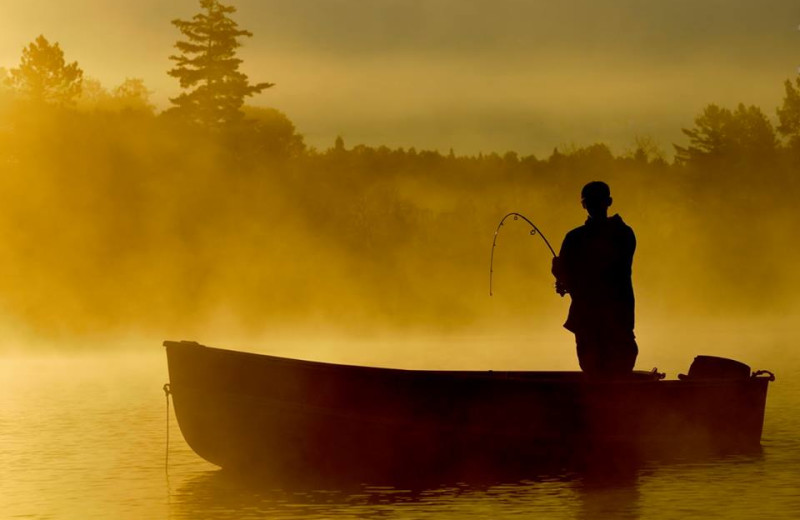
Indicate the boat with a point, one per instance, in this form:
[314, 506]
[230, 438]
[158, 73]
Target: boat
[252, 412]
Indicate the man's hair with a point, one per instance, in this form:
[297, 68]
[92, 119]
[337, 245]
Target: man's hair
[596, 190]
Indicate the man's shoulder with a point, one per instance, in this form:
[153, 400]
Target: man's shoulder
[617, 220]
[575, 233]
[617, 226]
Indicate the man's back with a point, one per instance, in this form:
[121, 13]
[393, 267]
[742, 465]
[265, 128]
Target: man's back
[596, 261]
[594, 267]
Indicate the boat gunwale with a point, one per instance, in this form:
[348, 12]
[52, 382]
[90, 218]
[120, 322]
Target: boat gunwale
[568, 377]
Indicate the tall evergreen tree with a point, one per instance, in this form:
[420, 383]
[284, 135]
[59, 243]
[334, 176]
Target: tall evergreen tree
[721, 134]
[44, 76]
[789, 114]
[208, 69]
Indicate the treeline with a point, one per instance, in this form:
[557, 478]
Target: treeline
[115, 216]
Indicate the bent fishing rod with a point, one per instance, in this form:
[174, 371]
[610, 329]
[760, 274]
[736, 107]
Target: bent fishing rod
[534, 231]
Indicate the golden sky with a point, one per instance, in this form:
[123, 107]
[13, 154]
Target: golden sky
[474, 75]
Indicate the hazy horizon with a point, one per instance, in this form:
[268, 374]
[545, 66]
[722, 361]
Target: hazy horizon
[474, 76]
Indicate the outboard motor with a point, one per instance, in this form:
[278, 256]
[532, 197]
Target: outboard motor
[713, 367]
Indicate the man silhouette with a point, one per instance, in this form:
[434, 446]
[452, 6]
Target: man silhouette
[594, 267]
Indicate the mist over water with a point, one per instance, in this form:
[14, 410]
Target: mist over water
[162, 233]
[84, 437]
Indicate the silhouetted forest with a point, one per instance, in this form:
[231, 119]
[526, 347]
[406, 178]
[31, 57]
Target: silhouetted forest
[116, 215]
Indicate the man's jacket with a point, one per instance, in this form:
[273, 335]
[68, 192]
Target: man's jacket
[594, 265]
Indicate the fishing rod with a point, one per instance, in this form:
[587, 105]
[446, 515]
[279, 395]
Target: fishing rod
[534, 231]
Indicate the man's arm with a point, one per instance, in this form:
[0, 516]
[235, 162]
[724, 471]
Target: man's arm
[559, 272]
[560, 267]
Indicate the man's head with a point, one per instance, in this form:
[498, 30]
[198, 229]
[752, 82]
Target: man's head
[596, 198]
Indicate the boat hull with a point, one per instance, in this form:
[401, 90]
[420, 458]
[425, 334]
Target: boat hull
[254, 412]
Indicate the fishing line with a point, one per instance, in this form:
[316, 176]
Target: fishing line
[167, 391]
[534, 231]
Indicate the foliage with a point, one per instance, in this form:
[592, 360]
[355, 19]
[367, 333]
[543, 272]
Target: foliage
[113, 215]
[269, 132]
[208, 69]
[720, 134]
[646, 150]
[789, 114]
[131, 95]
[43, 76]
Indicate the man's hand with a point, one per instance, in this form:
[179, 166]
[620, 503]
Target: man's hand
[558, 272]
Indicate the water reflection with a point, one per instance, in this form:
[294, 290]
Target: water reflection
[590, 492]
[609, 494]
[84, 438]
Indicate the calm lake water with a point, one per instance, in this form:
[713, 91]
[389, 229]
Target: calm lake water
[84, 437]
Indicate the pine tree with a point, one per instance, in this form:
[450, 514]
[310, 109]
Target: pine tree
[208, 69]
[789, 114]
[43, 75]
[721, 134]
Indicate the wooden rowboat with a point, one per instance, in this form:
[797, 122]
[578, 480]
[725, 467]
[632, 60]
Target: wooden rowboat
[255, 412]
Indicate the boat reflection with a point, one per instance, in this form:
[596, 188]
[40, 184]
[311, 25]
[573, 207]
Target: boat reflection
[588, 491]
